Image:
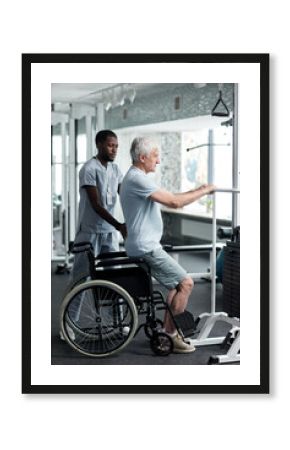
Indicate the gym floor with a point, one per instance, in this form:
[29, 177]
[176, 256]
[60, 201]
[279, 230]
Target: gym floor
[138, 350]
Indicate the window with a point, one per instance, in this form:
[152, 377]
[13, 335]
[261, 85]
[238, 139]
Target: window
[56, 179]
[208, 160]
[59, 179]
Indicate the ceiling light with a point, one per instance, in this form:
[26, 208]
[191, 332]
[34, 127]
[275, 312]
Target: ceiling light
[199, 85]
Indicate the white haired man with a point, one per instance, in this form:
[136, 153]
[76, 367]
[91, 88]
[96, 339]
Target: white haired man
[140, 199]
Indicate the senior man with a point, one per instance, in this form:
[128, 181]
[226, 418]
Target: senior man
[140, 199]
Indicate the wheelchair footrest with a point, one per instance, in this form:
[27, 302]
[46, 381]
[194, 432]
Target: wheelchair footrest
[186, 323]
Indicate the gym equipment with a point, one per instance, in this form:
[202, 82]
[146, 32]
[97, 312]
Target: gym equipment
[224, 112]
[99, 314]
[231, 297]
[66, 266]
[223, 233]
[213, 317]
[231, 276]
[233, 354]
[220, 266]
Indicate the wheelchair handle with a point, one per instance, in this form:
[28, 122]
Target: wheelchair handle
[87, 246]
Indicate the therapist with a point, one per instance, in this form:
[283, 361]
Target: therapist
[99, 184]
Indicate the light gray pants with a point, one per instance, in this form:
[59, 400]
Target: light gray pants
[102, 243]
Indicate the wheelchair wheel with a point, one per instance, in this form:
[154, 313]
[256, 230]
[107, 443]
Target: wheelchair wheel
[161, 344]
[98, 318]
[152, 326]
[75, 283]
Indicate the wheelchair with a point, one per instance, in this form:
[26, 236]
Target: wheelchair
[100, 313]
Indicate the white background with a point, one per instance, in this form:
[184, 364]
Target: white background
[171, 422]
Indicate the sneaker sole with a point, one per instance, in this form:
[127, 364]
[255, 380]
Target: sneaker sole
[190, 350]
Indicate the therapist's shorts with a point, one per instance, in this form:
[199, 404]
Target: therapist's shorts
[164, 268]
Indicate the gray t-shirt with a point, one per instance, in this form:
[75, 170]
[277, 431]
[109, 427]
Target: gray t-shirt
[106, 179]
[142, 215]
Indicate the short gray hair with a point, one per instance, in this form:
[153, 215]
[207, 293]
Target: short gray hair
[141, 146]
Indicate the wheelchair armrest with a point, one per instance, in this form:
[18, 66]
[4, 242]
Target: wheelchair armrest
[192, 248]
[167, 247]
[118, 262]
[111, 255]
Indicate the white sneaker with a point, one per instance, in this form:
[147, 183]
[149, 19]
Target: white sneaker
[189, 341]
[181, 345]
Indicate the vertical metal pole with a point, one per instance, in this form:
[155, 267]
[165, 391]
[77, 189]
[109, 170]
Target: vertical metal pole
[72, 179]
[213, 259]
[64, 202]
[235, 176]
[89, 136]
[210, 179]
[52, 187]
[100, 116]
[210, 157]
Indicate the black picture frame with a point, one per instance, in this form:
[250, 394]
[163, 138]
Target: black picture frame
[260, 59]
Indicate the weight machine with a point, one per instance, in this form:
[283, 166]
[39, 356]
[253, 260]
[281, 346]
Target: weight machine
[233, 337]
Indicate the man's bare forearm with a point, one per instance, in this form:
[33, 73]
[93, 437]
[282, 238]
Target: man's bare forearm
[185, 198]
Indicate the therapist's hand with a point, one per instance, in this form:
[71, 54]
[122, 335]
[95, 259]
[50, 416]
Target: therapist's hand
[123, 230]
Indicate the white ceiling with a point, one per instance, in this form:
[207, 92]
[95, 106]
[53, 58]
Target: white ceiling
[88, 92]
[73, 92]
